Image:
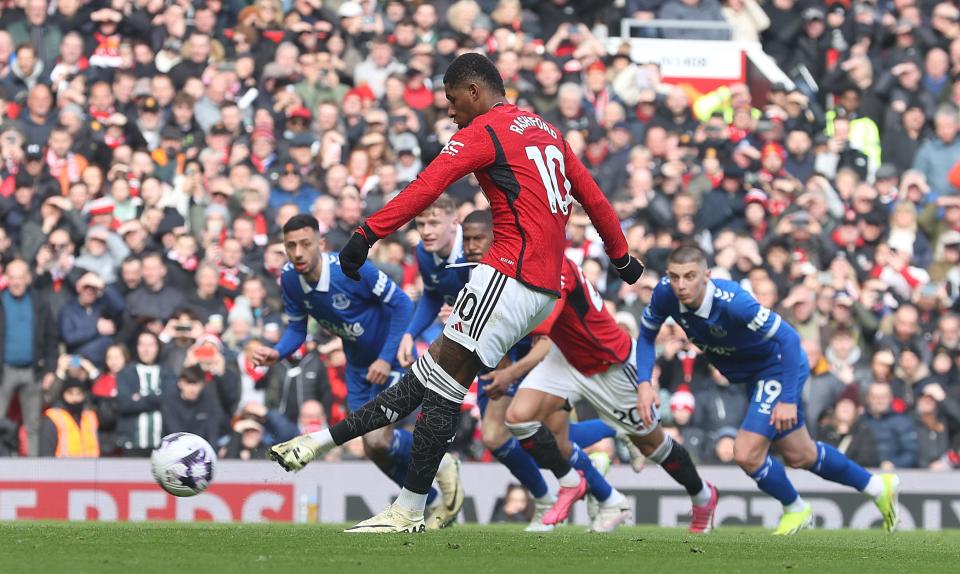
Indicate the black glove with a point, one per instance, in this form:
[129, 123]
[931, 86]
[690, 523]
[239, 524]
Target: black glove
[629, 268]
[354, 253]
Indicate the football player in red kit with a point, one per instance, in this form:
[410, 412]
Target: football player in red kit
[592, 358]
[531, 178]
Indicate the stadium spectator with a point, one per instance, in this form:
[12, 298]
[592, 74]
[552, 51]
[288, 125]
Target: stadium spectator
[88, 324]
[192, 406]
[895, 433]
[140, 389]
[849, 432]
[70, 428]
[28, 349]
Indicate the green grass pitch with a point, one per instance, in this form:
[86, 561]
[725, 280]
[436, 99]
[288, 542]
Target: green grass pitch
[51, 547]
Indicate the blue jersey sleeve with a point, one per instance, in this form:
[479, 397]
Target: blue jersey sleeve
[426, 313]
[296, 332]
[391, 296]
[770, 326]
[430, 303]
[653, 317]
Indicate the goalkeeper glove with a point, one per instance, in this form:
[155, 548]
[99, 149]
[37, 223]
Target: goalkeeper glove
[354, 253]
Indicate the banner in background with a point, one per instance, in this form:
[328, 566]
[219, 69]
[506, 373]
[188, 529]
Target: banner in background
[123, 490]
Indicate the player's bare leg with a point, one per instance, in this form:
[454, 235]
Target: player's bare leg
[751, 453]
[505, 448]
[800, 451]
[659, 447]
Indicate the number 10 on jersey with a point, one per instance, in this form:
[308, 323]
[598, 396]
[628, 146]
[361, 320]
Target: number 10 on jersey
[548, 162]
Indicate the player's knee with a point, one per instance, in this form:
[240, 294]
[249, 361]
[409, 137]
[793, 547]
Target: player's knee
[747, 458]
[376, 444]
[802, 458]
[494, 436]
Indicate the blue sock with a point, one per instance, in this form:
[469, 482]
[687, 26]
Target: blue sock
[599, 486]
[589, 432]
[521, 465]
[834, 466]
[772, 479]
[400, 459]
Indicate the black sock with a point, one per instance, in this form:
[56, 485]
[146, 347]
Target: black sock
[681, 468]
[436, 426]
[387, 408]
[542, 446]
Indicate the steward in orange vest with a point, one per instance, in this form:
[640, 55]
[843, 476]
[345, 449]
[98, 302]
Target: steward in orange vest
[69, 430]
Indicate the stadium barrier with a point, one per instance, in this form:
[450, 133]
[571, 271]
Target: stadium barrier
[123, 490]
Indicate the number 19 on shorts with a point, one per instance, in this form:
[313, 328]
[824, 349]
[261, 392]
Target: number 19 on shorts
[767, 394]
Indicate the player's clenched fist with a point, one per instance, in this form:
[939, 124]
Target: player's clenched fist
[264, 356]
[629, 268]
[354, 253]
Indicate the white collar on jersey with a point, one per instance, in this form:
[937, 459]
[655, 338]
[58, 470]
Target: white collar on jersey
[323, 285]
[455, 252]
[707, 305]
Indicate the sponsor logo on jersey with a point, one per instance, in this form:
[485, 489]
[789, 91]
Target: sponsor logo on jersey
[340, 301]
[452, 148]
[523, 122]
[348, 331]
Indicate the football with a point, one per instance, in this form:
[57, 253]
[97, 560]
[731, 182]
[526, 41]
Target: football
[183, 464]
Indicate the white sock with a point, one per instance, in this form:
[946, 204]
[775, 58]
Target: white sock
[548, 498]
[616, 498]
[874, 488]
[323, 437]
[411, 500]
[702, 497]
[796, 506]
[445, 463]
[570, 480]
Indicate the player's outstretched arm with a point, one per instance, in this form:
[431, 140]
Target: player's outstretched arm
[469, 150]
[604, 218]
[293, 336]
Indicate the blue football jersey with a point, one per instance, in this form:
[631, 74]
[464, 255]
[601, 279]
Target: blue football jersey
[743, 340]
[369, 315]
[441, 283]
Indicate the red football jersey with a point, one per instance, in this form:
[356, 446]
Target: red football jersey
[582, 328]
[530, 178]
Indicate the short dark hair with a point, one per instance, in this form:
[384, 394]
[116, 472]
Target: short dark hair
[474, 68]
[481, 216]
[301, 221]
[688, 253]
[192, 374]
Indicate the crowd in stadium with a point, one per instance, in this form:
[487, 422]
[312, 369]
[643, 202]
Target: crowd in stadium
[151, 150]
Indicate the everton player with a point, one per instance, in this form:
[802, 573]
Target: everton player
[369, 316]
[531, 177]
[752, 345]
[592, 358]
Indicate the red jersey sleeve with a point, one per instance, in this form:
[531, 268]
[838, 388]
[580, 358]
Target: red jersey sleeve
[594, 202]
[468, 150]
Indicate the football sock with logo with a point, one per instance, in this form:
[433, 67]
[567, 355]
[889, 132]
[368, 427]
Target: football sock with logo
[387, 408]
[540, 444]
[522, 466]
[772, 478]
[590, 432]
[436, 426]
[599, 486]
[399, 456]
[676, 461]
[835, 466]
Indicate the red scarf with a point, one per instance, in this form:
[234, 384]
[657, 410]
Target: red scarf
[230, 278]
[57, 164]
[188, 264]
[260, 228]
[254, 372]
